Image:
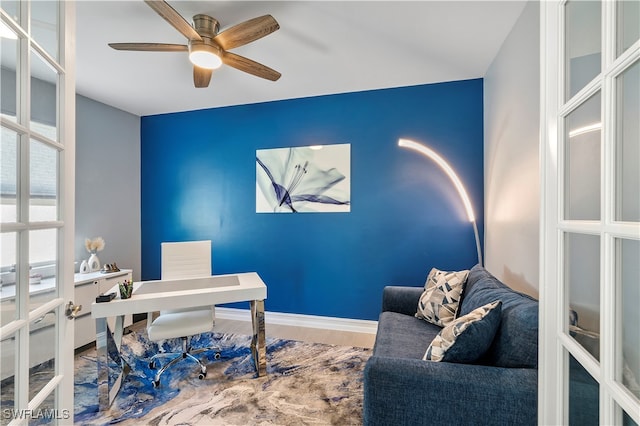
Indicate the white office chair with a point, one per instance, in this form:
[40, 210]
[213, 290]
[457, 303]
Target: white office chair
[190, 259]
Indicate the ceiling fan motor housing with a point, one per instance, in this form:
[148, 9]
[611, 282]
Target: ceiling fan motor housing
[207, 27]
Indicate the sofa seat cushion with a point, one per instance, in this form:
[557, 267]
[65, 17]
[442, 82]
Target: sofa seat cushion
[516, 341]
[403, 336]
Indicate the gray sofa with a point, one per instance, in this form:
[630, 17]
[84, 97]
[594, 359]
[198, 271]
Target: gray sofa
[500, 388]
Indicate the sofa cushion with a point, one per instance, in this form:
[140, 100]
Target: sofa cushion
[516, 342]
[467, 338]
[403, 336]
[439, 302]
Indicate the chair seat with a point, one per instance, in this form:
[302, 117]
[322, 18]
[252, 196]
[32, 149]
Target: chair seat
[180, 324]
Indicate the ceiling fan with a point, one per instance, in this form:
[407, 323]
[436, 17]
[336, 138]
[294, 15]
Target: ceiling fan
[208, 49]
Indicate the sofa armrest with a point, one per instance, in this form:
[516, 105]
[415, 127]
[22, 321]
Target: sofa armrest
[405, 391]
[403, 300]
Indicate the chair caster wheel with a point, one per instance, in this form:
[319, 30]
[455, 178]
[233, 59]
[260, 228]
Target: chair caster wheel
[201, 376]
[217, 355]
[156, 384]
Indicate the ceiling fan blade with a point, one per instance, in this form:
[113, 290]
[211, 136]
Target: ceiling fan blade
[150, 47]
[246, 32]
[170, 15]
[201, 76]
[249, 66]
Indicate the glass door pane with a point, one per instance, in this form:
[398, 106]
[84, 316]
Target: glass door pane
[8, 175]
[582, 279]
[628, 24]
[628, 300]
[44, 97]
[628, 145]
[44, 25]
[43, 282]
[583, 395]
[43, 203]
[8, 60]
[626, 418]
[8, 249]
[42, 361]
[12, 7]
[583, 128]
[582, 44]
[7, 374]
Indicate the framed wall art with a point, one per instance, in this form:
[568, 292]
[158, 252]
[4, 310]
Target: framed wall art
[304, 179]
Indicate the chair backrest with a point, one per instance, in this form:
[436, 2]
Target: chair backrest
[186, 259]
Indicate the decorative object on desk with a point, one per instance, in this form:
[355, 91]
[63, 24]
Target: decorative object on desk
[84, 267]
[93, 246]
[126, 288]
[103, 298]
[230, 394]
[304, 179]
[94, 262]
[108, 268]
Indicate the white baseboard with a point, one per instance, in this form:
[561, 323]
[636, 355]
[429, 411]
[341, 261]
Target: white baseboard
[299, 320]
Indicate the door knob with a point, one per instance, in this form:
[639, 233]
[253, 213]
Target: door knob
[72, 310]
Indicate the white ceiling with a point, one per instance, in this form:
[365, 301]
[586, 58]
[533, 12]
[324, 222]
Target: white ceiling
[322, 47]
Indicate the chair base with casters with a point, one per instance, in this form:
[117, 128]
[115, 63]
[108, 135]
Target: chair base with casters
[186, 353]
[180, 323]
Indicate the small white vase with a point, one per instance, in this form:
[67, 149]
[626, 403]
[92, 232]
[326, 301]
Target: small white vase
[84, 267]
[94, 263]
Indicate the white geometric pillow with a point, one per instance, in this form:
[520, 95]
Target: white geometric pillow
[467, 338]
[438, 303]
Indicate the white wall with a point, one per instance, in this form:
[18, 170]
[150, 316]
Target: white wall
[108, 183]
[511, 156]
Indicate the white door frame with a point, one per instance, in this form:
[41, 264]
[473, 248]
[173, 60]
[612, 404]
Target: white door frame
[554, 340]
[550, 381]
[61, 383]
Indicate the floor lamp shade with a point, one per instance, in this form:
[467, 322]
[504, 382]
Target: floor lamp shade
[436, 158]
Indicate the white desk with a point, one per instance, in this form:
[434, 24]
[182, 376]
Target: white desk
[150, 296]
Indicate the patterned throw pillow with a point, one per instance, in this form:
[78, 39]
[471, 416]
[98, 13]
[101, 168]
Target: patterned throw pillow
[467, 338]
[438, 303]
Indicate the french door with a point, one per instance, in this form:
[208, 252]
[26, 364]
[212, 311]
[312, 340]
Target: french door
[37, 210]
[590, 242]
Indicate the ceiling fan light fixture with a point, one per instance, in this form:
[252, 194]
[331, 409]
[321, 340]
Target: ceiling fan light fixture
[204, 56]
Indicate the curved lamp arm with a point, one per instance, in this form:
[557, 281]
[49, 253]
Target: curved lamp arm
[406, 143]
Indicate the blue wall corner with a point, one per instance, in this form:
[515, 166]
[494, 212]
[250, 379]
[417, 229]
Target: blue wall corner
[198, 182]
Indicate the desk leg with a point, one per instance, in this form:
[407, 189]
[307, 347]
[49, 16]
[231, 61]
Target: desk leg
[108, 347]
[258, 342]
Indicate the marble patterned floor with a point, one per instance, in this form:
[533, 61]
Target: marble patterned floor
[306, 384]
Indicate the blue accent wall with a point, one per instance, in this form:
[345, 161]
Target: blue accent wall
[198, 181]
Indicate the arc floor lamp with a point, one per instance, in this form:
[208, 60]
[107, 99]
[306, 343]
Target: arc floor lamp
[428, 152]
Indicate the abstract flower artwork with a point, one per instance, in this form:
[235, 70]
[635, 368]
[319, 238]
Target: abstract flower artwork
[304, 179]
